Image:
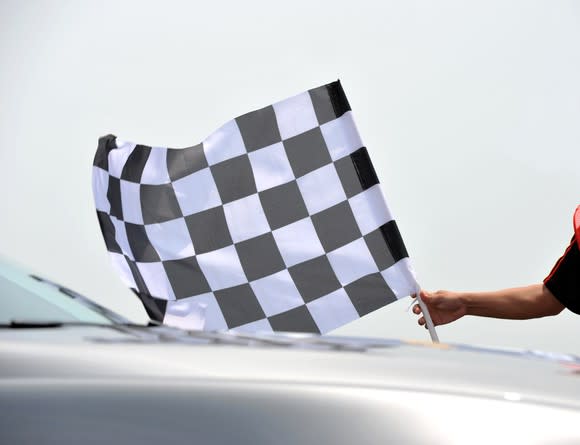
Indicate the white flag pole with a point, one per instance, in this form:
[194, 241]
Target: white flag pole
[428, 320]
[423, 306]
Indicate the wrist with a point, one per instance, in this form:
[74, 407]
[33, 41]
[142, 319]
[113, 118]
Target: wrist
[467, 300]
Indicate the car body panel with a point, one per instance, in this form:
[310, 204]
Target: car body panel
[93, 383]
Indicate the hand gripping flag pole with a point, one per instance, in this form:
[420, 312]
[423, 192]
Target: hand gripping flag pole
[428, 320]
[427, 315]
[275, 222]
[424, 309]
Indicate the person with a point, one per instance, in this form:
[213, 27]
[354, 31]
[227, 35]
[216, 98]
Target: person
[559, 290]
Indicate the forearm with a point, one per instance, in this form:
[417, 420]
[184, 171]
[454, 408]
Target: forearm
[516, 303]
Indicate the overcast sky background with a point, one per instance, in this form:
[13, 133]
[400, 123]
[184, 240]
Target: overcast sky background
[470, 112]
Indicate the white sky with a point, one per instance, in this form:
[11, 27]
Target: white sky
[470, 111]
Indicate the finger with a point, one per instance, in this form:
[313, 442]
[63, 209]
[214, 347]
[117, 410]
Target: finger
[421, 321]
[417, 309]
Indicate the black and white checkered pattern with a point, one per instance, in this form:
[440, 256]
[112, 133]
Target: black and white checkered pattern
[275, 222]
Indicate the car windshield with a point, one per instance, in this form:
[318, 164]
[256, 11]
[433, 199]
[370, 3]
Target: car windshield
[28, 298]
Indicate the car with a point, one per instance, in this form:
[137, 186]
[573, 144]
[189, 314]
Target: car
[72, 371]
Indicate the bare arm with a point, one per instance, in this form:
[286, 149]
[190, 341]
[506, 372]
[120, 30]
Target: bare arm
[517, 303]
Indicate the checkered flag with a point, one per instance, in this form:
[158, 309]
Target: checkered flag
[276, 222]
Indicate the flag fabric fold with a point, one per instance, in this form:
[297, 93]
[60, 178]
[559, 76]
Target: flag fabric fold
[275, 222]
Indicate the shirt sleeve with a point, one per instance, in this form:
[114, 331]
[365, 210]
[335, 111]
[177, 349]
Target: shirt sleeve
[564, 279]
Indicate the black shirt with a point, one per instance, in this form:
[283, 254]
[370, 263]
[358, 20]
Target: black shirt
[564, 279]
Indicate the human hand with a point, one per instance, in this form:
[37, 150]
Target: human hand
[444, 306]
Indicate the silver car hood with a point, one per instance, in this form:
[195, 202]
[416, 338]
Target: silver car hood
[95, 385]
[166, 354]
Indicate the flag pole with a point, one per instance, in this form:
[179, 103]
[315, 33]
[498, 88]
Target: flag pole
[428, 320]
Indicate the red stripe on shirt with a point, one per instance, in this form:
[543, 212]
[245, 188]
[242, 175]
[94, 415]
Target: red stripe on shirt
[555, 268]
[577, 225]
